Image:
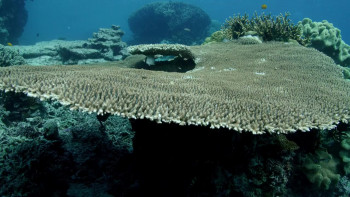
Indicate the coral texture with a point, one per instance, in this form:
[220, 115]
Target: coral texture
[108, 41]
[326, 38]
[50, 149]
[10, 56]
[217, 36]
[267, 27]
[268, 87]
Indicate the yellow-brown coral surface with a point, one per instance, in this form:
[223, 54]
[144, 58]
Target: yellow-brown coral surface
[269, 87]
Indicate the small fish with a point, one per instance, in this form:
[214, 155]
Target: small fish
[37, 34]
[263, 6]
[9, 44]
[187, 29]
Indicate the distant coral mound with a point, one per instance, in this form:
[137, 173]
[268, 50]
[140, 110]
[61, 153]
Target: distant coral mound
[13, 17]
[173, 22]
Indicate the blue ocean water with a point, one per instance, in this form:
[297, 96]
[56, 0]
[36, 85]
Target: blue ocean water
[78, 19]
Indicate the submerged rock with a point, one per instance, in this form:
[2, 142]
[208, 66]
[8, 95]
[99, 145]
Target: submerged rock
[106, 45]
[10, 56]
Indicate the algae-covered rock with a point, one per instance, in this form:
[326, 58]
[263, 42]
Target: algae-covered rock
[108, 41]
[45, 156]
[105, 45]
[51, 130]
[326, 38]
[10, 56]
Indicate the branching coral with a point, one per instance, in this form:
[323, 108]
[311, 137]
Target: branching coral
[268, 27]
[236, 26]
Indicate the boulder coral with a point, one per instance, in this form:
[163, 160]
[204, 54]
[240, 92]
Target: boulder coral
[217, 36]
[326, 38]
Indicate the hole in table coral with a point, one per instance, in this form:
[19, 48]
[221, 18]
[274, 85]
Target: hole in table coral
[166, 63]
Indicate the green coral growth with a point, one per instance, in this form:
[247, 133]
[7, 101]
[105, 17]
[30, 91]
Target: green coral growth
[325, 37]
[346, 73]
[267, 27]
[321, 169]
[344, 152]
[217, 36]
[345, 155]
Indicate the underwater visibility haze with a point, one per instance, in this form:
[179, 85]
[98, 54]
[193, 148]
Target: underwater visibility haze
[174, 98]
[77, 19]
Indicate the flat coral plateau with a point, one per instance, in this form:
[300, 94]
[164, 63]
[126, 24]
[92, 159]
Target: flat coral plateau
[270, 87]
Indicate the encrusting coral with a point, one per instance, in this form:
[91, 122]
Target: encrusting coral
[268, 87]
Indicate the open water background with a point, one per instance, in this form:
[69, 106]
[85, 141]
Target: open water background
[78, 19]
